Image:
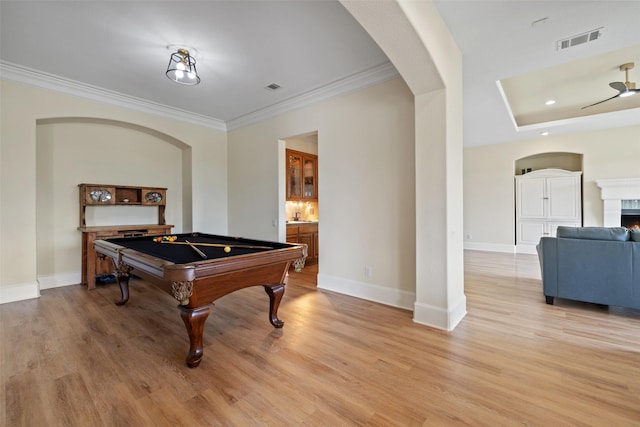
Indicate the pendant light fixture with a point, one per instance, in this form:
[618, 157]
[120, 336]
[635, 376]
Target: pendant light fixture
[182, 68]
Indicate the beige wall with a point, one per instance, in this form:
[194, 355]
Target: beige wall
[366, 186]
[69, 152]
[365, 141]
[24, 146]
[304, 143]
[489, 217]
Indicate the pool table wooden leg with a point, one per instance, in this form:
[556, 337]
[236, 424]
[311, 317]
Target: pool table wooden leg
[194, 319]
[275, 293]
[123, 272]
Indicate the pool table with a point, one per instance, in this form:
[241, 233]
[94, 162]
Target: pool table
[199, 268]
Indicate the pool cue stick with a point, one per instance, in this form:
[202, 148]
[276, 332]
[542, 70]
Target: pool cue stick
[219, 245]
[202, 254]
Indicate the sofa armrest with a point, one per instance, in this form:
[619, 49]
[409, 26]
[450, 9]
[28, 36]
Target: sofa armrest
[548, 256]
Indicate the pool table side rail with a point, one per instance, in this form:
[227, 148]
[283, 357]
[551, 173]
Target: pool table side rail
[168, 270]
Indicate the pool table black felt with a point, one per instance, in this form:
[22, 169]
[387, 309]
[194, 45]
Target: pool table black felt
[184, 254]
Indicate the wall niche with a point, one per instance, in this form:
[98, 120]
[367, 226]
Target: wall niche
[567, 161]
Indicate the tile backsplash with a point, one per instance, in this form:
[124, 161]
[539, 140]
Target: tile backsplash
[308, 211]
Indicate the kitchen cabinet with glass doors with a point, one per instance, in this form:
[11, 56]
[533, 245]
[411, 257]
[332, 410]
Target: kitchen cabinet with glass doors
[302, 176]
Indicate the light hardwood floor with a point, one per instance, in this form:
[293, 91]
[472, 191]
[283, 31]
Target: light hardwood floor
[73, 358]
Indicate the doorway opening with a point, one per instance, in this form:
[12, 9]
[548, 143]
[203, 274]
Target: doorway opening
[301, 211]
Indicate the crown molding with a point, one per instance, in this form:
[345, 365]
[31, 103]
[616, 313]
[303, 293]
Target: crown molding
[20, 74]
[371, 76]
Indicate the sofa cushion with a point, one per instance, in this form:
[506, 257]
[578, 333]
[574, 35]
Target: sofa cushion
[596, 271]
[635, 234]
[594, 233]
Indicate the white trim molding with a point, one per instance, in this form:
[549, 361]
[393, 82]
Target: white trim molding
[59, 280]
[367, 291]
[489, 247]
[437, 317]
[19, 292]
[351, 83]
[613, 192]
[526, 249]
[20, 74]
[371, 76]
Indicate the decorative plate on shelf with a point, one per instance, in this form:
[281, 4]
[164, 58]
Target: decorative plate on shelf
[153, 197]
[101, 196]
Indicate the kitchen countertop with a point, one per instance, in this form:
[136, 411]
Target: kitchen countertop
[301, 222]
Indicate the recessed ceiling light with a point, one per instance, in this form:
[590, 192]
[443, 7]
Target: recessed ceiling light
[545, 133]
[550, 102]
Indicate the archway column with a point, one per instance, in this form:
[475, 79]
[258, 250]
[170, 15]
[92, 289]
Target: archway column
[419, 45]
[440, 300]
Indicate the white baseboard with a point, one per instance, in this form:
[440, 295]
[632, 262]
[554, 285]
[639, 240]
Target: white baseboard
[493, 247]
[424, 314]
[526, 249]
[367, 291]
[437, 317]
[19, 292]
[489, 247]
[50, 281]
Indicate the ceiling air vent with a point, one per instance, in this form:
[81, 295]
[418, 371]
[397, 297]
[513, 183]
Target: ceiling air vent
[273, 86]
[589, 36]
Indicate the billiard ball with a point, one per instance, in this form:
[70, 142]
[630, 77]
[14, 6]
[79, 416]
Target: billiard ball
[227, 249]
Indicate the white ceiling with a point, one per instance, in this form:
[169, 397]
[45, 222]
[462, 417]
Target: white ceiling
[242, 46]
[499, 41]
[116, 50]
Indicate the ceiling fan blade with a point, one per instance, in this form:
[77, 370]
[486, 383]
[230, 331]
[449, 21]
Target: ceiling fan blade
[608, 99]
[619, 86]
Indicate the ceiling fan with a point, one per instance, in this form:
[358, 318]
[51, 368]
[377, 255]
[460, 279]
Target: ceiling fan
[624, 89]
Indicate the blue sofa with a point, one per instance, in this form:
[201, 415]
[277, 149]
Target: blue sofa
[592, 264]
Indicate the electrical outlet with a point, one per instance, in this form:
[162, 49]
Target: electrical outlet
[368, 271]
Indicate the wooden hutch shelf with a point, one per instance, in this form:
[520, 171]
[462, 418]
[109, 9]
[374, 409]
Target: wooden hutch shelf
[110, 195]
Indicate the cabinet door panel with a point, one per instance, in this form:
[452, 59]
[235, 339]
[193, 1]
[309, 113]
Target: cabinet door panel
[292, 234]
[309, 178]
[531, 231]
[316, 246]
[307, 238]
[563, 194]
[531, 203]
[302, 176]
[294, 183]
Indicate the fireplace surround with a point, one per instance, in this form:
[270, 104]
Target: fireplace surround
[613, 192]
[630, 214]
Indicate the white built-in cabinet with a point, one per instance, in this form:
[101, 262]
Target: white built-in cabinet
[545, 199]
